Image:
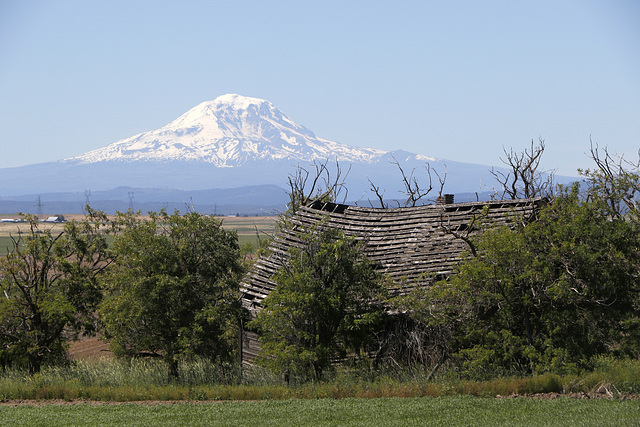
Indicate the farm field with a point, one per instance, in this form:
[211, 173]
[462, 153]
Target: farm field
[248, 228]
[461, 410]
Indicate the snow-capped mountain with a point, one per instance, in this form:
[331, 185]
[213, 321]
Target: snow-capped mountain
[228, 132]
[231, 142]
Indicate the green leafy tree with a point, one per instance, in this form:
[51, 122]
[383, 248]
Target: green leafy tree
[323, 307]
[544, 296]
[50, 286]
[548, 294]
[173, 291]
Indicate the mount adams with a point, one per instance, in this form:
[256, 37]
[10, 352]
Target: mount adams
[232, 141]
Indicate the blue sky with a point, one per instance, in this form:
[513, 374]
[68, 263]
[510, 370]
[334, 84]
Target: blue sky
[456, 80]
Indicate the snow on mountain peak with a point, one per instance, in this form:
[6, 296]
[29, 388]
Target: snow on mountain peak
[236, 101]
[230, 102]
[228, 131]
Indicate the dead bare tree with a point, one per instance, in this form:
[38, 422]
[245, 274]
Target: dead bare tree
[615, 181]
[523, 179]
[319, 182]
[413, 189]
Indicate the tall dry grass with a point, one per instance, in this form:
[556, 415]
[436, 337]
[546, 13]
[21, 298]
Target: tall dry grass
[139, 379]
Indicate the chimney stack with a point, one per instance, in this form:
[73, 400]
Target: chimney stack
[445, 199]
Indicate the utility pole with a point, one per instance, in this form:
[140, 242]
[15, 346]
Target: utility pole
[87, 199]
[38, 206]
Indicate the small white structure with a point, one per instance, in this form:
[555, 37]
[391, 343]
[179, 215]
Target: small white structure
[55, 219]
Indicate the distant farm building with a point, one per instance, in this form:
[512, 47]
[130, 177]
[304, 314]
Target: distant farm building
[413, 246]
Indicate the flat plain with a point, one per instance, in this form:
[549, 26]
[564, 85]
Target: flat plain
[250, 229]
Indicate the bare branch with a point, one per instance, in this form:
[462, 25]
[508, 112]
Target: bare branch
[615, 181]
[465, 236]
[379, 194]
[523, 180]
[306, 187]
[441, 179]
[414, 191]
[412, 186]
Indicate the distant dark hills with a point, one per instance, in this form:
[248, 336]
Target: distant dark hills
[256, 200]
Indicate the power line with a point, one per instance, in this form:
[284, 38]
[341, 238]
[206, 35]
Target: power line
[39, 205]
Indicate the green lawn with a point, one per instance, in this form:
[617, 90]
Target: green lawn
[463, 411]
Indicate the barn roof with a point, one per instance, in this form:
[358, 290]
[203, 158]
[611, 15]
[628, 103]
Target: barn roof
[413, 246]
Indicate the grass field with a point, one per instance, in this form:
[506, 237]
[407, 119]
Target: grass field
[462, 411]
[5, 244]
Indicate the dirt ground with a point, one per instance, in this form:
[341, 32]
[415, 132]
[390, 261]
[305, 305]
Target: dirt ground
[7, 228]
[12, 228]
[62, 402]
[92, 348]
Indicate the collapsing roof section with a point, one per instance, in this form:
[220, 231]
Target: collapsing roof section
[413, 246]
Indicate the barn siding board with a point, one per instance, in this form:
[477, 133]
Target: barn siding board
[412, 245]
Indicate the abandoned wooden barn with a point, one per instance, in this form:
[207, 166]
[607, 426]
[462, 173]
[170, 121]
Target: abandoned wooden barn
[414, 246]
